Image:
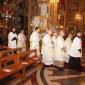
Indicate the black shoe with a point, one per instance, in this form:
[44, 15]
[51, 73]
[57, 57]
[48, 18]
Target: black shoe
[47, 65]
[43, 67]
[60, 69]
[80, 70]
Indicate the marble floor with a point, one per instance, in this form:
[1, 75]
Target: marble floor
[50, 76]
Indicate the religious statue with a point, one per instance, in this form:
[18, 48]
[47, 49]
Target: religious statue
[36, 22]
[45, 23]
[44, 9]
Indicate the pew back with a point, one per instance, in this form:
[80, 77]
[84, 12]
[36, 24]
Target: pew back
[9, 51]
[17, 64]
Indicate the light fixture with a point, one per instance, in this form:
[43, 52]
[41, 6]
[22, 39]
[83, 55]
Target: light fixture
[78, 17]
[7, 14]
[61, 26]
[54, 1]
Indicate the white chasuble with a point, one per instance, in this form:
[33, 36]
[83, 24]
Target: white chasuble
[60, 47]
[47, 50]
[68, 43]
[22, 41]
[34, 42]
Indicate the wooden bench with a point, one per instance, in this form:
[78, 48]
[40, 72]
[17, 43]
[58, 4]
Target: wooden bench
[19, 62]
[9, 51]
[11, 68]
[2, 47]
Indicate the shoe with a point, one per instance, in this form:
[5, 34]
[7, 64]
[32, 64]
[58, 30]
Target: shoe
[60, 69]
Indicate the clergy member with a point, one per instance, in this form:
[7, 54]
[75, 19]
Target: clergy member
[54, 45]
[60, 50]
[12, 39]
[75, 53]
[46, 51]
[22, 40]
[34, 40]
[68, 43]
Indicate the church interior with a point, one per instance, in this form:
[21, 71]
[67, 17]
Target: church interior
[19, 67]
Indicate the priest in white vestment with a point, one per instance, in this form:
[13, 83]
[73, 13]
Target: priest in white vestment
[22, 40]
[75, 53]
[68, 43]
[34, 40]
[46, 51]
[54, 45]
[12, 39]
[60, 50]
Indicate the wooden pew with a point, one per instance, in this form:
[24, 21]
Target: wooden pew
[2, 47]
[10, 69]
[30, 57]
[16, 65]
[10, 51]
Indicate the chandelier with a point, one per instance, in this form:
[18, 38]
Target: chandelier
[7, 13]
[78, 17]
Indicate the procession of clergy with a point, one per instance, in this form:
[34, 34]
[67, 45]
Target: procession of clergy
[55, 50]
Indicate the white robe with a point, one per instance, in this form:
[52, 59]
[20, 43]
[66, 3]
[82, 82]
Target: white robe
[54, 40]
[68, 43]
[74, 50]
[34, 42]
[47, 50]
[22, 41]
[12, 43]
[60, 45]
